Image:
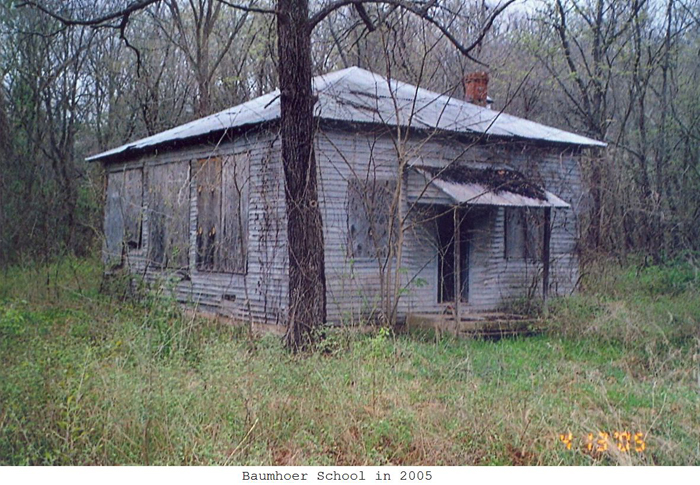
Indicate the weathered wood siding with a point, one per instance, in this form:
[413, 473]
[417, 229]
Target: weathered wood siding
[123, 214]
[354, 284]
[355, 280]
[168, 189]
[257, 288]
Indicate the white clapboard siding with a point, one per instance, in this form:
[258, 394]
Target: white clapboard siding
[262, 290]
[354, 285]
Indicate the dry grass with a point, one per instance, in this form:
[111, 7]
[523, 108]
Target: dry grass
[87, 378]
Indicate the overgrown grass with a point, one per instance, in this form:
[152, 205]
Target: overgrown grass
[91, 378]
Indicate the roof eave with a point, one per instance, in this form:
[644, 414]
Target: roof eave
[130, 152]
[487, 137]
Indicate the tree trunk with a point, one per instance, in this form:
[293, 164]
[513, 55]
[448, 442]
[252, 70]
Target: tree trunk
[661, 145]
[307, 280]
[202, 74]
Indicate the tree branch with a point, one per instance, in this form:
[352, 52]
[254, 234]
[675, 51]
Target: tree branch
[420, 11]
[249, 8]
[129, 45]
[134, 6]
[365, 17]
[128, 10]
[573, 71]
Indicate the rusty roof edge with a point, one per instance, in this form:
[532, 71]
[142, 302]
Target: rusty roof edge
[479, 194]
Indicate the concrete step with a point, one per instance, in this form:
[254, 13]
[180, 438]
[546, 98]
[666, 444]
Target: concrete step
[475, 324]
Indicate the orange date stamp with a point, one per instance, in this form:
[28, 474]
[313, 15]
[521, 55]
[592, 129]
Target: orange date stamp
[599, 443]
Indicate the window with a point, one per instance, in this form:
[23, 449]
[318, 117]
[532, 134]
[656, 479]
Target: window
[123, 214]
[222, 213]
[169, 215]
[524, 233]
[369, 212]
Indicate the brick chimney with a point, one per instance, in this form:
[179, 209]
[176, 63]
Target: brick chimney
[476, 88]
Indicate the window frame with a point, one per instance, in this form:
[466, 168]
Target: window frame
[222, 262]
[378, 251]
[122, 176]
[172, 231]
[531, 225]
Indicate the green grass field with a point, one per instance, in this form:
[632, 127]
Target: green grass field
[90, 378]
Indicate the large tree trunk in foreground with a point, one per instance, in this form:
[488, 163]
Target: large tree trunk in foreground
[307, 279]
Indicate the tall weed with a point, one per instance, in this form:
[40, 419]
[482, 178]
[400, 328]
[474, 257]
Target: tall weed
[90, 378]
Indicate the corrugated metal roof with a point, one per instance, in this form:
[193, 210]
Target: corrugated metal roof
[480, 194]
[360, 96]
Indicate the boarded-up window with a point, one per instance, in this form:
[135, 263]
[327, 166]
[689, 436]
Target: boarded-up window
[222, 213]
[208, 179]
[236, 181]
[524, 233]
[169, 215]
[123, 214]
[369, 217]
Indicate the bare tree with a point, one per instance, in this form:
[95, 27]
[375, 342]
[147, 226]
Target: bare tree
[205, 35]
[295, 24]
[48, 89]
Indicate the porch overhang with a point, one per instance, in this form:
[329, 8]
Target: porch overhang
[488, 187]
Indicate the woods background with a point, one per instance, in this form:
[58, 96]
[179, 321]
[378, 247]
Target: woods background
[627, 74]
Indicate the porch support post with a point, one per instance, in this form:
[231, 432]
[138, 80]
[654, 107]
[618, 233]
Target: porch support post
[457, 269]
[545, 254]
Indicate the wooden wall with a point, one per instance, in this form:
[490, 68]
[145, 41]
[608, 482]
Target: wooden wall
[354, 284]
[123, 215]
[257, 288]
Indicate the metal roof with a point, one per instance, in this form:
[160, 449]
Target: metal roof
[480, 194]
[360, 96]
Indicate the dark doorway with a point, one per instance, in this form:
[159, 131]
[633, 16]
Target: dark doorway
[446, 253]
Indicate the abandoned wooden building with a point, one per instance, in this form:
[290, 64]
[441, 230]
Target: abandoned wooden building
[429, 203]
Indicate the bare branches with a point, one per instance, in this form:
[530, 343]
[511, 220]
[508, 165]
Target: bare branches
[97, 21]
[562, 31]
[364, 16]
[249, 8]
[122, 36]
[124, 13]
[421, 10]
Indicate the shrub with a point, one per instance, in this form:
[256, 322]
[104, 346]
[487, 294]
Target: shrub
[12, 321]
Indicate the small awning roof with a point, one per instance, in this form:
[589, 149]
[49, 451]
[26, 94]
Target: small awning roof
[500, 187]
